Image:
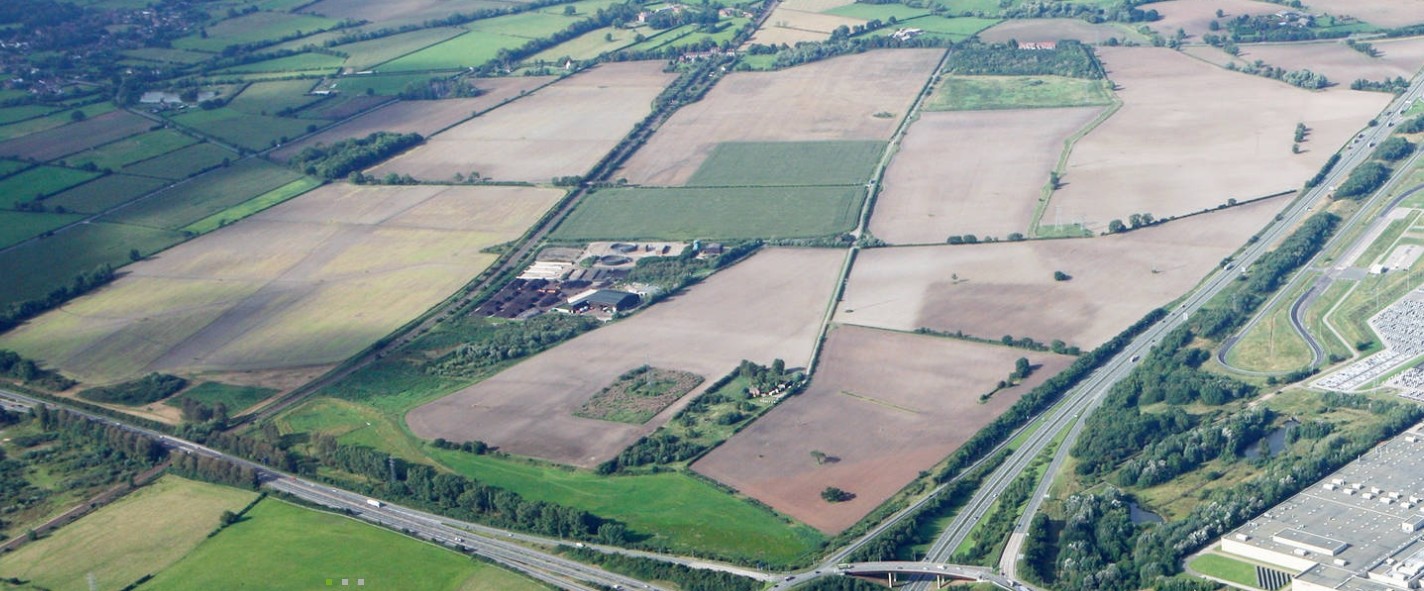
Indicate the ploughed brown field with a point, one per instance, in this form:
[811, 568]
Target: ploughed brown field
[835, 99]
[561, 130]
[1008, 288]
[972, 172]
[764, 308]
[883, 406]
[1192, 136]
[1038, 30]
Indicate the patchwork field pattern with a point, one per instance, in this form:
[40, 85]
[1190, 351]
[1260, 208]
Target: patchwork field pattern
[563, 129]
[992, 290]
[972, 172]
[835, 99]
[1149, 156]
[306, 283]
[909, 399]
[528, 409]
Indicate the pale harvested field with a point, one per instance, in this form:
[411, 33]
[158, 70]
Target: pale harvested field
[971, 172]
[1051, 29]
[887, 405]
[814, 5]
[1385, 13]
[1190, 136]
[835, 99]
[1341, 64]
[791, 26]
[422, 117]
[304, 284]
[1194, 16]
[563, 129]
[1007, 288]
[528, 409]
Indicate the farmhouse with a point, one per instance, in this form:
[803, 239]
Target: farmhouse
[907, 34]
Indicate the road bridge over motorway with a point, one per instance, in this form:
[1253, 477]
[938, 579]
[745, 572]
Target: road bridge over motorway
[894, 572]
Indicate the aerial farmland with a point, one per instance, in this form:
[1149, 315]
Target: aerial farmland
[652, 294]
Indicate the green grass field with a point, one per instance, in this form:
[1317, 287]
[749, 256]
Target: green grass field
[762, 164]
[144, 146]
[971, 93]
[236, 398]
[685, 512]
[271, 98]
[280, 547]
[38, 182]
[364, 55]
[180, 164]
[253, 205]
[1224, 568]
[9, 167]
[33, 269]
[714, 213]
[586, 46]
[144, 532]
[254, 132]
[251, 28]
[882, 12]
[17, 226]
[1272, 344]
[956, 28]
[10, 115]
[525, 25]
[468, 50]
[206, 195]
[163, 54]
[105, 192]
[302, 62]
[382, 85]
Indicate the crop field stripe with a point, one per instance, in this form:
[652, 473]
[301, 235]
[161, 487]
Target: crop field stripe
[253, 206]
[696, 212]
[760, 164]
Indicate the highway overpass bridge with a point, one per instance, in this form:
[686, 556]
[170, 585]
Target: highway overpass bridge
[895, 572]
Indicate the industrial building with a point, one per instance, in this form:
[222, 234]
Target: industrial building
[1360, 529]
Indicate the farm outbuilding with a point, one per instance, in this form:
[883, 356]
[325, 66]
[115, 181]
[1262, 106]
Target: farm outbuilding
[608, 299]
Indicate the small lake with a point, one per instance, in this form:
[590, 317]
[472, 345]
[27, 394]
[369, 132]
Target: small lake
[1140, 515]
[1273, 443]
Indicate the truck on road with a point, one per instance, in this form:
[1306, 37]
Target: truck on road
[374, 503]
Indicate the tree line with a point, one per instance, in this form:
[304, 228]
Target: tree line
[1069, 58]
[150, 388]
[81, 284]
[647, 569]
[13, 366]
[343, 158]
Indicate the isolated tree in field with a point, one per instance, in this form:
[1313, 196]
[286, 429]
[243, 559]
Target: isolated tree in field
[1116, 226]
[1061, 276]
[819, 456]
[836, 495]
[1300, 132]
[1220, 13]
[1022, 368]
[228, 518]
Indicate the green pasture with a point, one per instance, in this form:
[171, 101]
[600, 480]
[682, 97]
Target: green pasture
[883, 12]
[18, 226]
[586, 46]
[254, 132]
[682, 213]
[40, 181]
[382, 85]
[252, 28]
[468, 50]
[364, 55]
[51, 121]
[680, 510]
[524, 25]
[206, 195]
[141, 533]
[10, 115]
[164, 54]
[116, 155]
[972, 93]
[33, 269]
[253, 205]
[282, 547]
[104, 193]
[302, 62]
[183, 163]
[760, 164]
[271, 98]
[235, 398]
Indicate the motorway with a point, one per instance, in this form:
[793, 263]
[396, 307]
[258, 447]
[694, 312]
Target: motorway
[511, 551]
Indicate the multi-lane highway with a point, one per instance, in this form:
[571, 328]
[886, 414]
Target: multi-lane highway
[506, 548]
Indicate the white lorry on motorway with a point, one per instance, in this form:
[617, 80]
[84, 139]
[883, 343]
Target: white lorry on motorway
[374, 503]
